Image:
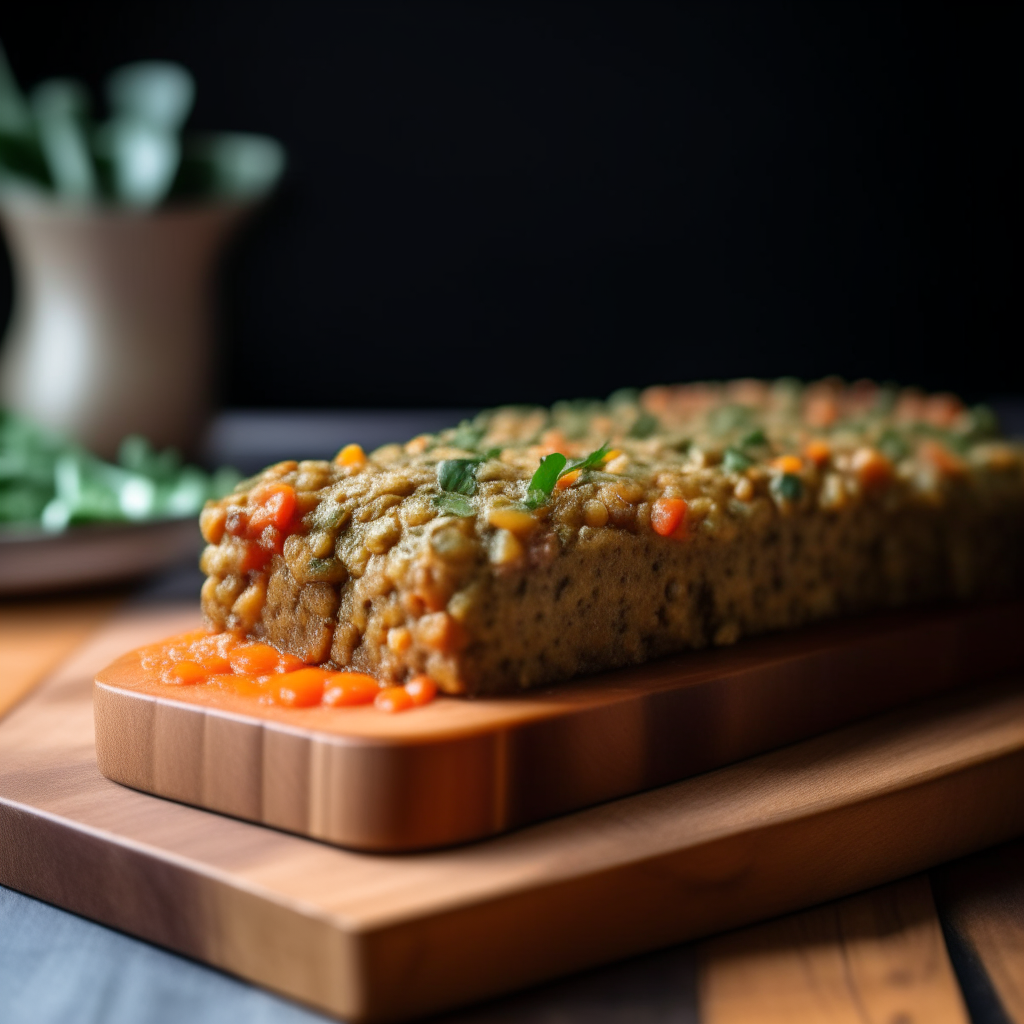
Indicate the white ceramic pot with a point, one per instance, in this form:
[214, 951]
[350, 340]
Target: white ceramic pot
[113, 326]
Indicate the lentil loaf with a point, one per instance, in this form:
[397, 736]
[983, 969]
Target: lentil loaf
[692, 515]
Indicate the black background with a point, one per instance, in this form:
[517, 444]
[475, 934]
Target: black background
[516, 202]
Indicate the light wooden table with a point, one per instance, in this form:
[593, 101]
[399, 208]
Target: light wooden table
[878, 956]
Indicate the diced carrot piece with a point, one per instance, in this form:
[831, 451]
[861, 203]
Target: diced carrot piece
[215, 665]
[187, 673]
[873, 469]
[236, 521]
[668, 517]
[818, 452]
[608, 456]
[244, 685]
[275, 506]
[258, 659]
[791, 464]
[553, 440]
[565, 482]
[941, 410]
[393, 698]
[821, 411]
[256, 556]
[941, 457]
[289, 662]
[302, 688]
[422, 689]
[347, 688]
[271, 540]
[350, 455]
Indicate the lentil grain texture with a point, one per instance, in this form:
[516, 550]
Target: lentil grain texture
[717, 511]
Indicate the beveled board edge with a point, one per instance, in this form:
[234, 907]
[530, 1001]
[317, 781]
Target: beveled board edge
[951, 781]
[467, 770]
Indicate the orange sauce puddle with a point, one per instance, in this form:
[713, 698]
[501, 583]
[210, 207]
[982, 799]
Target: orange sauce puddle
[249, 668]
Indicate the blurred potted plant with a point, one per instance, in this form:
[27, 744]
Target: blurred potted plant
[114, 230]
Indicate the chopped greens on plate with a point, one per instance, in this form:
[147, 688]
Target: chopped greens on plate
[49, 482]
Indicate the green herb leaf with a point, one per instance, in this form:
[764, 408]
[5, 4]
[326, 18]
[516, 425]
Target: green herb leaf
[892, 446]
[788, 486]
[453, 505]
[753, 439]
[593, 459]
[468, 435]
[457, 476]
[734, 461]
[543, 481]
[724, 418]
[984, 423]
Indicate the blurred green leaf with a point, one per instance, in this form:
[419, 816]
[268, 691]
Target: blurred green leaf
[154, 92]
[61, 110]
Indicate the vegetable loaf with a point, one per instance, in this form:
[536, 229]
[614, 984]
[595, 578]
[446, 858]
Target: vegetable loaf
[530, 545]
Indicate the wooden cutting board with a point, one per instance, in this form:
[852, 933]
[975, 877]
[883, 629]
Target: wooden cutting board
[460, 770]
[388, 937]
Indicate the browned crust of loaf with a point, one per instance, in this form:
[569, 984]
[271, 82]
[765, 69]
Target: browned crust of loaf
[616, 598]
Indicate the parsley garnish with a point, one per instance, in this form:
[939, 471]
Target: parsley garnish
[542, 483]
[551, 469]
[453, 505]
[458, 476]
[593, 459]
[734, 461]
[468, 435]
[788, 486]
[892, 446]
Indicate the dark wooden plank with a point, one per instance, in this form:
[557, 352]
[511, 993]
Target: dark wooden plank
[876, 956]
[981, 902]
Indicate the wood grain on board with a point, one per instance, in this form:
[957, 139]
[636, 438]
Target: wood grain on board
[37, 635]
[459, 770]
[982, 901]
[876, 956]
[372, 937]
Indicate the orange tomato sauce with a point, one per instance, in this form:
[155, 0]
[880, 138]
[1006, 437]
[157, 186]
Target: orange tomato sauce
[253, 669]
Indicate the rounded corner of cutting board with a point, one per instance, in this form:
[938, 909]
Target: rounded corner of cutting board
[351, 790]
[459, 770]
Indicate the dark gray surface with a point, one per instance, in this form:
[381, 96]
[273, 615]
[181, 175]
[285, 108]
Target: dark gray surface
[250, 439]
[56, 967]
